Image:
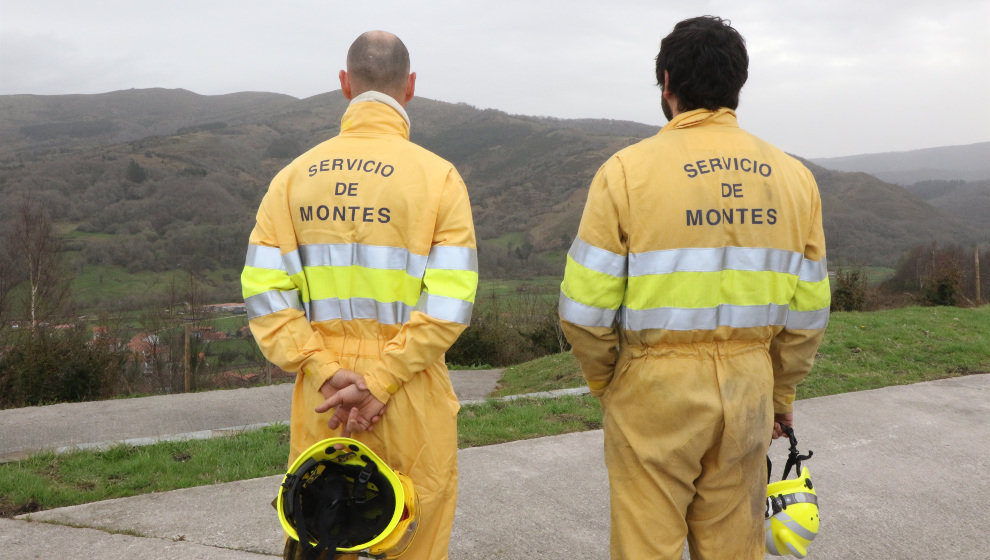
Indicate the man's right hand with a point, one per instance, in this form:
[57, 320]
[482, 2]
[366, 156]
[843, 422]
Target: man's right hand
[782, 419]
[356, 408]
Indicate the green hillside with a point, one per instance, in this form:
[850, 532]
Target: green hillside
[152, 181]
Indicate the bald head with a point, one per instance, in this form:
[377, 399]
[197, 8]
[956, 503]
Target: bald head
[377, 60]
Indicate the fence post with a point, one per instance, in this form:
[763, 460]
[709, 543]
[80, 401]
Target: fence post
[187, 359]
[976, 262]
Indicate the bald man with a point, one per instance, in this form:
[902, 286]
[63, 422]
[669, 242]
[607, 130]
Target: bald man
[361, 272]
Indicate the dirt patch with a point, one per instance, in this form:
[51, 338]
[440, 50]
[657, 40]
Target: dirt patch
[8, 510]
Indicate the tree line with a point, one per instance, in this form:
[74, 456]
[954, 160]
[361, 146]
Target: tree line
[50, 354]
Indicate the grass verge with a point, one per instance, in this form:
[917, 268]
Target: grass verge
[860, 351]
[49, 480]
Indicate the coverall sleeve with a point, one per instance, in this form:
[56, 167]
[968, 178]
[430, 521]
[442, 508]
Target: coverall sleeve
[793, 350]
[450, 283]
[594, 284]
[272, 295]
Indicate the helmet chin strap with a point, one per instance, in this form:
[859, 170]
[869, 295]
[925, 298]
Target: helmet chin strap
[331, 493]
[793, 458]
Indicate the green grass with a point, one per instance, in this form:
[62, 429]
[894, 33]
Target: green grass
[48, 480]
[867, 350]
[860, 351]
[540, 285]
[108, 283]
[557, 371]
[501, 421]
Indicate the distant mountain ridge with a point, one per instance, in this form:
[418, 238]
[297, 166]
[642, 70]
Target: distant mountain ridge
[159, 179]
[29, 123]
[969, 162]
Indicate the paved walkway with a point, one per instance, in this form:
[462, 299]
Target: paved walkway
[901, 473]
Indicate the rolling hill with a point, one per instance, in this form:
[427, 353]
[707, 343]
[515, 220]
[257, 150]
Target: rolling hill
[168, 179]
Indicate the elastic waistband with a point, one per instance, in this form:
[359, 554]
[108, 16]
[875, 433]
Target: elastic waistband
[697, 349]
[355, 347]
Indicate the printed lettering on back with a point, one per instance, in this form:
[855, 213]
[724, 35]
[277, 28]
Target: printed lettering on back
[338, 210]
[729, 215]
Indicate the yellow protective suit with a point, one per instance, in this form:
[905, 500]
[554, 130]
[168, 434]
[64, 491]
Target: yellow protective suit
[363, 257]
[695, 297]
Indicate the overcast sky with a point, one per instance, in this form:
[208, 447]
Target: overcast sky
[826, 78]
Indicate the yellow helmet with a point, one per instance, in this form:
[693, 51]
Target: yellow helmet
[340, 496]
[792, 519]
[792, 516]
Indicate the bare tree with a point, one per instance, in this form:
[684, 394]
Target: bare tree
[37, 251]
[8, 279]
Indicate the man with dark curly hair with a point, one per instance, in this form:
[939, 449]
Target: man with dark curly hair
[695, 296]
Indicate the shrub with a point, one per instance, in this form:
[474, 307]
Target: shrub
[850, 291]
[509, 329]
[43, 365]
[943, 288]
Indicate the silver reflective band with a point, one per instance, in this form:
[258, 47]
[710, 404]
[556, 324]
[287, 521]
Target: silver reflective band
[794, 526]
[813, 271]
[771, 543]
[756, 259]
[271, 258]
[270, 302]
[389, 313]
[260, 256]
[798, 498]
[386, 313]
[448, 257]
[446, 308]
[598, 259]
[703, 318]
[807, 320]
[367, 256]
[585, 315]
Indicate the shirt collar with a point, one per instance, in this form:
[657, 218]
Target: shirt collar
[723, 115]
[380, 97]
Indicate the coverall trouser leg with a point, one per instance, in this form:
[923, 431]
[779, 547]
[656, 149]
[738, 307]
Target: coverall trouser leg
[418, 437]
[686, 433]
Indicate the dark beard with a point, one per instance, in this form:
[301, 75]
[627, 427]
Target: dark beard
[666, 108]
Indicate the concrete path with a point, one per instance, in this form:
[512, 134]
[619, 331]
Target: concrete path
[184, 416]
[901, 474]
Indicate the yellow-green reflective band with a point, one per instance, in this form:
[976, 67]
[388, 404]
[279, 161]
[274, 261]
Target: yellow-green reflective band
[267, 303]
[592, 288]
[449, 257]
[255, 281]
[445, 308]
[807, 320]
[811, 296]
[710, 289]
[584, 315]
[367, 256]
[706, 318]
[458, 284]
[346, 282]
[597, 259]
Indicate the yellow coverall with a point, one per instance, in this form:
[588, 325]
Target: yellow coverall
[695, 297]
[363, 257]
